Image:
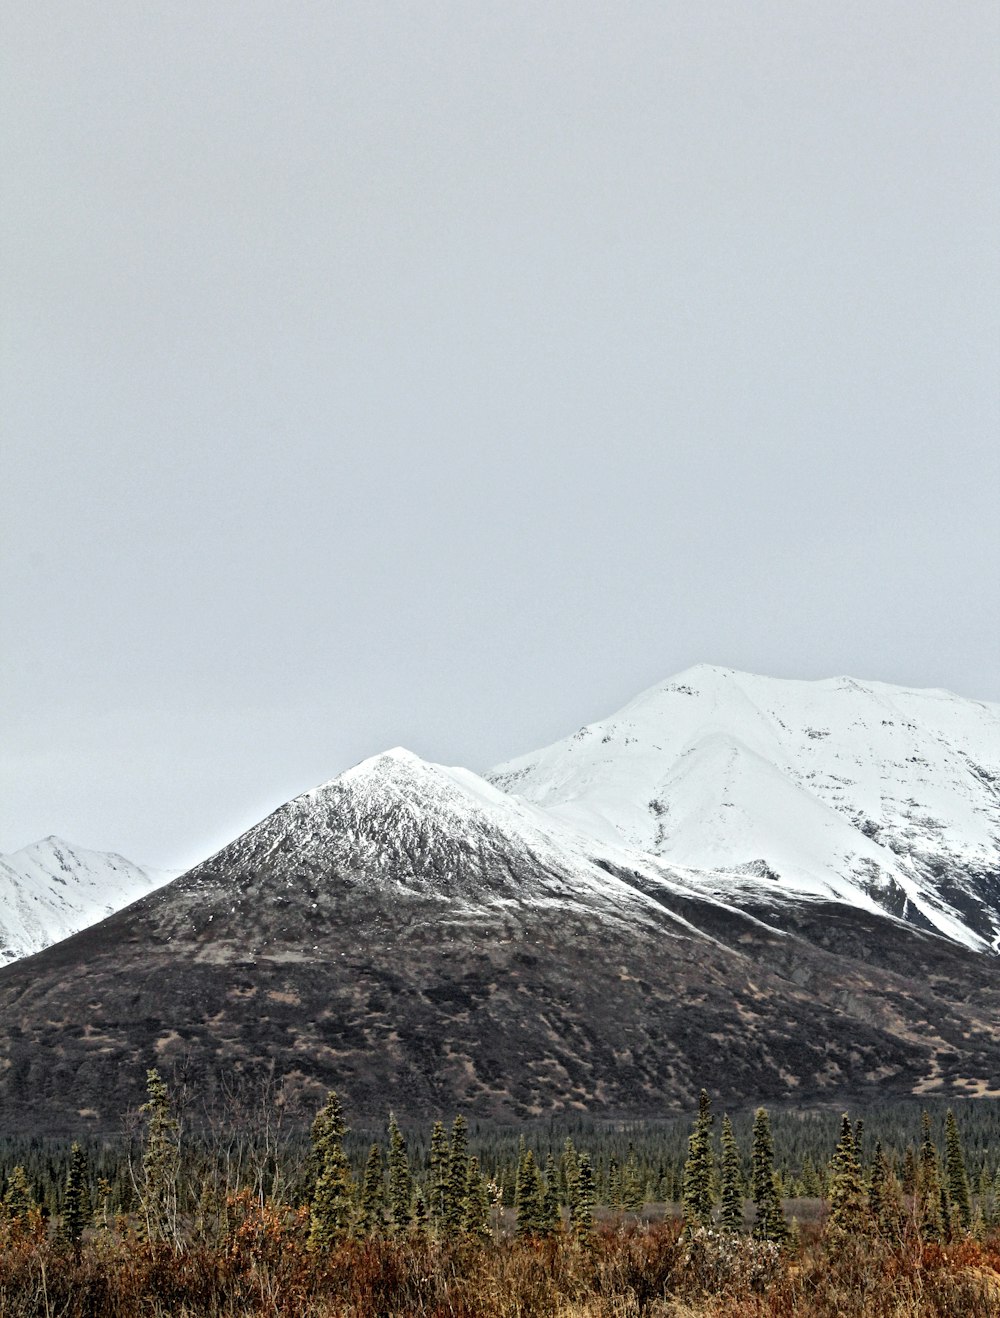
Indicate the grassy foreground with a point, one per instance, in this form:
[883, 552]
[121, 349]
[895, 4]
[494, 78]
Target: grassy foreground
[262, 1265]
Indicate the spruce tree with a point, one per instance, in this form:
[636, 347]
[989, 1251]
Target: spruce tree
[848, 1200]
[613, 1183]
[76, 1205]
[879, 1191]
[928, 1189]
[158, 1191]
[731, 1216]
[330, 1208]
[458, 1176]
[550, 1219]
[569, 1169]
[528, 1207]
[372, 1219]
[697, 1193]
[582, 1210]
[949, 1221]
[812, 1185]
[400, 1180]
[420, 1216]
[958, 1181]
[19, 1202]
[476, 1206]
[438, 1186]
[988, 1199]
[102, 1210]
[769, 1221]
[633, 1186]
[909, 1178]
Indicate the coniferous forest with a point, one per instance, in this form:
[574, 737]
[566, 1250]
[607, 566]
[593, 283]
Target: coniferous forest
[888, 1211]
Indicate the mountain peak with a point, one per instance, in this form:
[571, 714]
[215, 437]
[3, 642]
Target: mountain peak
[50, 843]
[867, 791]
[384, 762]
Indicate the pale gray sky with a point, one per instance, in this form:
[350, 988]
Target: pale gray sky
[445, 373]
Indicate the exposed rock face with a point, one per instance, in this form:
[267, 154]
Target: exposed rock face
[417, 938]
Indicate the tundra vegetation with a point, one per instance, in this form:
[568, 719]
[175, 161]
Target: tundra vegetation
[892, 1214]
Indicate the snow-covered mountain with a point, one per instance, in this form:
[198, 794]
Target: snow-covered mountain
[879, 796]
[445, 834]
[52, 889]
[735, 883]
[422, 940]
[747, 790]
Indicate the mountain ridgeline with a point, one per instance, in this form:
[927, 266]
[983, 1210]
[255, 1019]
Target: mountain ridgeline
[783, 891]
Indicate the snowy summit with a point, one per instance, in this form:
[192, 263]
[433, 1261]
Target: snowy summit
[872, 794]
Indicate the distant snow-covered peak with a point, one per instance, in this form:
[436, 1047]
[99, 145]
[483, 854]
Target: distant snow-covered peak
[53, 888]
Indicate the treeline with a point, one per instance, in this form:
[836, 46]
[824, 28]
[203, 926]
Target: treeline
[257, 1144]
[474, 1179]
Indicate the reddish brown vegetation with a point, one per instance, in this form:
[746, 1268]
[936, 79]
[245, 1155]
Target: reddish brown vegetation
[260, 1265]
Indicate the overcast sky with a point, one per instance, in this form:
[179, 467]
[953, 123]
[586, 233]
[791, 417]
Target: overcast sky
[443, 374]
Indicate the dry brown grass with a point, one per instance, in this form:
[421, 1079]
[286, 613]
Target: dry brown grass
[260, 1268]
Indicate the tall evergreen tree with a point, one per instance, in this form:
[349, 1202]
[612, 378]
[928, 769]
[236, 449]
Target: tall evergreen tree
[958, 1180]
[102, 1209]
[421, 1220]
[19, 1202]
[928, 1188]
[550, 1218]
[400, 1180]
[76, 1205]
[848, 1200]
[879, 1191]
[812, 1184]
[476, 1207]
[569, 1174]
[989, 1200]
[697, 1194]
[909, 1178]
[372, 1219]
[633, 1185]
[731, 1216]
[158, 1190]
[582, 1210]
[769, 1221]
[331, 1205]
[947, 1222]
[458, 1176]
[438, 1185]
[613, 1183]
[528, 1192]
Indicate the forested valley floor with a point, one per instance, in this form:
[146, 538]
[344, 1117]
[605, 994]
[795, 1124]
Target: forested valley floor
[891, 1211]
